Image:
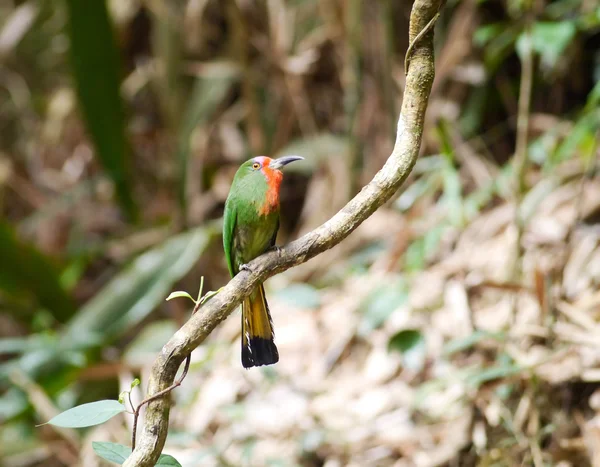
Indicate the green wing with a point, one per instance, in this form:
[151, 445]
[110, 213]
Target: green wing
[274, 237]
[229, 223]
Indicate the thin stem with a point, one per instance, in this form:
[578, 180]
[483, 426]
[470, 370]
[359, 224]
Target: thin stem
[188, 359]
[241, 46]
[352, 77]
[130, 402]
[523, 116]
[387, 58]
[520, 159]
[158, 395]
[424, 31]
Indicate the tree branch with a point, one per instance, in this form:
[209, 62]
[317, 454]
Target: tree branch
[385, 183]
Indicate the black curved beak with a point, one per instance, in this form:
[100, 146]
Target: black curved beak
[283, 161]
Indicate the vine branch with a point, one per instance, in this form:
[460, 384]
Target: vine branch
[158, 395]
[386, 182]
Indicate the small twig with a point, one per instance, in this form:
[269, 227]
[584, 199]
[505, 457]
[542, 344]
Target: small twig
[130, 401]
[520, 158]
[520, 163]
[158, 395]
[188, 359]
[241, 44]
[387, 59]
[351, 78]
[419, 36]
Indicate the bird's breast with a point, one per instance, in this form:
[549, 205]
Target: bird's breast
[254, 235]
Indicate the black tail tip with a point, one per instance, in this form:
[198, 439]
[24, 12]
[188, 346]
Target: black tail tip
[259, 352]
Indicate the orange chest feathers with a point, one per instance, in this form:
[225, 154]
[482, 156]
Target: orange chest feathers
[274, 178]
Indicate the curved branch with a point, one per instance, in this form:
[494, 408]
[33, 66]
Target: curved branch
[385, 183]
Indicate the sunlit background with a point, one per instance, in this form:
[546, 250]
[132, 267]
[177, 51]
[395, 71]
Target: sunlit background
[458, 326]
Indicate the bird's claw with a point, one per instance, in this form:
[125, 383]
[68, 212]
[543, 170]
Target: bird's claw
[245, 267]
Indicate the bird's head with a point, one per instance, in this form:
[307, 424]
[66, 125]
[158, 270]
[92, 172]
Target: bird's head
[262, 176]
[266, 165]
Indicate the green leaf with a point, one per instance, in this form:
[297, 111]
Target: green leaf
[200, 290]
[411, 344]
[149, 341]
[209, 92]
[541, 148]
[14, 344]
[27, 272]
[478, 199]
[423, 248]
[549, 40]
[500, 44]
[133, 293]
[452, 197]
[413, 193]
[12, 403]
[593, 99]
[464, 343]
[404, 341]
[579, 138]
[380, 304]
[136, 382]
[492, 373]
[96, 69]
[90, 414]
[179, 294]
[474, 111]
[360, 261]
[534, 198]
[301, 295]
[118, 454]
[166, 460]
[111, 452]
[484, 34]
[208, 295]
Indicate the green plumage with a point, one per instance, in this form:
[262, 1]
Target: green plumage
[246, 235]
[250, 227]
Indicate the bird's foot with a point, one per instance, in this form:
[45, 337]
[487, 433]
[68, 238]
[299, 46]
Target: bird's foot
[276, 249]
[245, 267]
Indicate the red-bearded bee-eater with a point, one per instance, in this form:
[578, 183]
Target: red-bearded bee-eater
[250, 225]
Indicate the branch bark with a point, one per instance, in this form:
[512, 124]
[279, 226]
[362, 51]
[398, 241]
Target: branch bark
[386, 182]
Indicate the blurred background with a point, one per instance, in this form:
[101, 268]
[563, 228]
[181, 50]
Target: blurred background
[458, 326]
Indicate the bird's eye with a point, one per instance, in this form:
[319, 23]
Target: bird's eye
[256, 166]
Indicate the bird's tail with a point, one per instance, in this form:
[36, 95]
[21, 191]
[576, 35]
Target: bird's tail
[258, 345]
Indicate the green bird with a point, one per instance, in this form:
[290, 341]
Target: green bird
[250, 227]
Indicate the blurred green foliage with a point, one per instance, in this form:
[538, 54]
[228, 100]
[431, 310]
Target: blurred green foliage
[97, 74]
[28, 273]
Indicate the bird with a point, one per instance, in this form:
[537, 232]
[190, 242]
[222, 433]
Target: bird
[250, 225]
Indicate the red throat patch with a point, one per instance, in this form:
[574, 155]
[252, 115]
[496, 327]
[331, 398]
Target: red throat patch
[274, 178]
